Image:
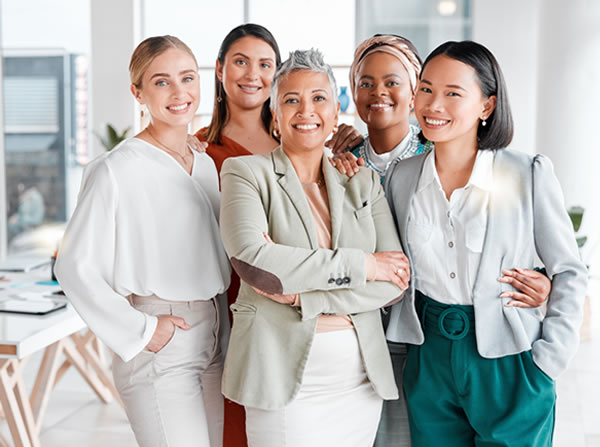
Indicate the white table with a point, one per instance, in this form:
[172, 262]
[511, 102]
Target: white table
[60, 334]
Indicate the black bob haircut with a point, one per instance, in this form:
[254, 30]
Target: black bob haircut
[498, 132]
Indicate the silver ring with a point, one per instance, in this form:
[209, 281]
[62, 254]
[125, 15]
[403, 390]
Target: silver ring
[399, 271]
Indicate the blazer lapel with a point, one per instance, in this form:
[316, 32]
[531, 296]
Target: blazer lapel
[289, 182]
[403, 192]
[335, 194]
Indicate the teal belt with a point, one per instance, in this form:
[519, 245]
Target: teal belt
[453, 321]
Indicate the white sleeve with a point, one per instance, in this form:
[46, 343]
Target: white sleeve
[85, 267]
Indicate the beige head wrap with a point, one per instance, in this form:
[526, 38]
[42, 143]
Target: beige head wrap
[394, 45]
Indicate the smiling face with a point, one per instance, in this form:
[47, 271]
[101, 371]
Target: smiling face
[449, 103]
[383, 95]
[306, 110]
[170, 88]
[247, 72]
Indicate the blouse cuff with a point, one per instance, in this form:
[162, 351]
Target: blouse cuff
[131, 351]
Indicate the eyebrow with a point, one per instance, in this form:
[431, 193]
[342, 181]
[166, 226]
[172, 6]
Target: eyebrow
[167, 75]
[248, 57]
[458, 87]
[314, 91]
[387, 76]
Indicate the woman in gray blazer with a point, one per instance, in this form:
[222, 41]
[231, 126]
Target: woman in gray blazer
[308, 357]
[479, 372]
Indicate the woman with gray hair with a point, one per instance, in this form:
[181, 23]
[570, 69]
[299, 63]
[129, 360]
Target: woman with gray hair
[308, 357]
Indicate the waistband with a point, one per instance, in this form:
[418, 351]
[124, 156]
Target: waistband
[156, 300]
[453, 321]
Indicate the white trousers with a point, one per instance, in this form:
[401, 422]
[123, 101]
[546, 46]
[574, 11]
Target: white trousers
[173, 398]
[336, 404]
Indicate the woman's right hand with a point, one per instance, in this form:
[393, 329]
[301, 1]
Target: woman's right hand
[392, 266]
[165, 328]
[347, 163]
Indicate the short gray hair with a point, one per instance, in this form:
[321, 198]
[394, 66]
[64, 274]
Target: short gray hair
[309, 60]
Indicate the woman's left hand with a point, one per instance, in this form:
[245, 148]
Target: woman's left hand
[196, 144]
[532, 287]
[345, 138]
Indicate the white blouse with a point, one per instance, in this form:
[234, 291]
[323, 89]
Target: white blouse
[445, 237]
[142, 226]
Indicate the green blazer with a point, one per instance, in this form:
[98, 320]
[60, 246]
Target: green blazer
[270, 342]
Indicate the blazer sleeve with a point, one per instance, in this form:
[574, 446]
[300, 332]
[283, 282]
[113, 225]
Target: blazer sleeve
[85, 267]
[556, 246]
[272, 267]
[374, 294]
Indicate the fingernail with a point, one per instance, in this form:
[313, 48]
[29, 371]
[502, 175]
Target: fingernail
[504, 295]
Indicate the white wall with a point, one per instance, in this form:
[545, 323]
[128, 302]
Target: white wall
[549, 52]
[568, 101]
[115, 33]
[509, 29]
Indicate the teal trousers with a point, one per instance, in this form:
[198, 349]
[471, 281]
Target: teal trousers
[456, 398]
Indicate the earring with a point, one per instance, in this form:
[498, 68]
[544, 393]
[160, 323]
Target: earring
[483, 123]
[219, 97]
[335, 129]
[276, 134]
[141, 112]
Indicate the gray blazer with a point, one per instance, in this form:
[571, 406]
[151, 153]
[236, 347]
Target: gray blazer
[526, 214]
[270, 342]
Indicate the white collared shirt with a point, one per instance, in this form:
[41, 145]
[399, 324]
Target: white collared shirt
[142, 226]
[445, 237]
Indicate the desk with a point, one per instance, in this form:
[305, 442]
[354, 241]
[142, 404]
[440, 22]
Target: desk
[59, 334]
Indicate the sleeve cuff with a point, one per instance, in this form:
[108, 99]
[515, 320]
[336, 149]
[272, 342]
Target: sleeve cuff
[131, 351]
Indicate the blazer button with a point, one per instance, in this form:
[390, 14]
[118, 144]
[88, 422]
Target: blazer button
[346, 280]
[339, 281]
[331, 281]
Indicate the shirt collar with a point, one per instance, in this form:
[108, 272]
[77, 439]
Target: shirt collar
[482, 175]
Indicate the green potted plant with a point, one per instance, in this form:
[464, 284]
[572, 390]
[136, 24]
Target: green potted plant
[112, 137]
[576, 215]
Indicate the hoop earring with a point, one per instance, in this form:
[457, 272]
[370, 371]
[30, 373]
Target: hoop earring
[276, 134]
[335, 129]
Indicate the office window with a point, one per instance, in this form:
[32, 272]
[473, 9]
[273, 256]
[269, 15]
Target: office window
[45, 59]
[427, 23]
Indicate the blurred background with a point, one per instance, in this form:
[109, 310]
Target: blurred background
[65, 92]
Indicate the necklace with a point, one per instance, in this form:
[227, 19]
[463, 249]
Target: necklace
[170, 151]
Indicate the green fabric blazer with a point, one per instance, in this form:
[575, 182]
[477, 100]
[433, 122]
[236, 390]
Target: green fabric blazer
[270, 342]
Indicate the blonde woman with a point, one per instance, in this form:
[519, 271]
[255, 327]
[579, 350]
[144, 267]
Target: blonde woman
[143, 264]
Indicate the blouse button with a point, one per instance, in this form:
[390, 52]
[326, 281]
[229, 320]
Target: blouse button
[452, 275]
[450, 244]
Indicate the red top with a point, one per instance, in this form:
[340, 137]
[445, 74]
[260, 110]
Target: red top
[234, 433]
[221, 152]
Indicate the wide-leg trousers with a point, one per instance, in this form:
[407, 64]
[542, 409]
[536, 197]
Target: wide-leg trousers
[173, 398]
[393, 428]
[457, 398]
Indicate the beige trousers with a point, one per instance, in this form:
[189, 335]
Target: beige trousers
[173, 398]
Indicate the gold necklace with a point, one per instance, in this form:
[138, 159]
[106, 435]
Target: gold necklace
[165, 147]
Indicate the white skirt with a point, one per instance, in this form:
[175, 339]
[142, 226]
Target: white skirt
[336, 404]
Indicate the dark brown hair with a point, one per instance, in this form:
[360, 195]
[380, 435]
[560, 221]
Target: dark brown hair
[220, 114]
